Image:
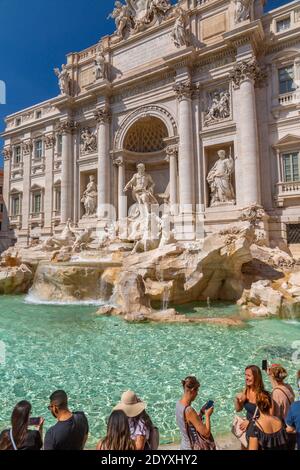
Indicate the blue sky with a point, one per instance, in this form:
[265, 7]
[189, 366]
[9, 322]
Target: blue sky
[36, 35]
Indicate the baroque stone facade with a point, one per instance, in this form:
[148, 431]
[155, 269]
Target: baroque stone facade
[204, 93]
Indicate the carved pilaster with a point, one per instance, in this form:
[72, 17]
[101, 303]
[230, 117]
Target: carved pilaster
[7, 153]
[184, 90]
[246, 70]
[49, 141]
[103, 116]
[27, 146]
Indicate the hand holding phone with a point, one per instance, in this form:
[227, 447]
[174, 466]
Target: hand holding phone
[37, 422]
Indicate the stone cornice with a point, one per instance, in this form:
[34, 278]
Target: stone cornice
[252, 33]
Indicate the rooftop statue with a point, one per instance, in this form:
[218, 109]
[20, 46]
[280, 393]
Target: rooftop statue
[137, 14]
[64, 80]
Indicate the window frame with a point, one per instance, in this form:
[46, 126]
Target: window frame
[290, 154]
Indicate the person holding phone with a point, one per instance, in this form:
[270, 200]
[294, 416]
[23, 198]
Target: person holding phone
[194, 432]
[19, 437]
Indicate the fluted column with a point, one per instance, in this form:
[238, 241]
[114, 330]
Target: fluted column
[186, 148]
[122, 198]
[172, 153]
[245, 76]
[103, 117]
[66, 129]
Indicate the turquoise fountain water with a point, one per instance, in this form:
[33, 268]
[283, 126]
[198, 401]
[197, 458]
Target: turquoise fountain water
[96, 358]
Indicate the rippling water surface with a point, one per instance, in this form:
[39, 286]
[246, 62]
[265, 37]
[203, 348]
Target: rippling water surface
[95, 359]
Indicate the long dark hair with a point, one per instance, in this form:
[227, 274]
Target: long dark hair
[258, 379]
[19, 422]
[118, 433]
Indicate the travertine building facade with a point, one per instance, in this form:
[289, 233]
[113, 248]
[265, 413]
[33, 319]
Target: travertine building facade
[5, 236]
[204, 93]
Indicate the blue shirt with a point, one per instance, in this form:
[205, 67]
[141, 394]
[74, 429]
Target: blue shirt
[293, 419]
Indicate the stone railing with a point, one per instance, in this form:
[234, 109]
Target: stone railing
[36, 217]
[15, 221]
[287, 98]
[289, 189]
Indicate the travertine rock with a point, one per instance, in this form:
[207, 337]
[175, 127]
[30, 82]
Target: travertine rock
[15, 280]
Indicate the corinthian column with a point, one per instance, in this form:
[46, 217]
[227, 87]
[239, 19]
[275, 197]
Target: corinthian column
[186, 149]
[172, 152]
[103, 117]
[244, 76]
[66, 129]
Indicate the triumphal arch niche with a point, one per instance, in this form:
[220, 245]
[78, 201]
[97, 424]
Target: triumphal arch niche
[148, 136]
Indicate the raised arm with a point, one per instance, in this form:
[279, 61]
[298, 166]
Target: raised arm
[202, 428]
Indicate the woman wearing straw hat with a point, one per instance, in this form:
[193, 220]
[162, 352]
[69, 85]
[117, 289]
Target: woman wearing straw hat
[140, 423]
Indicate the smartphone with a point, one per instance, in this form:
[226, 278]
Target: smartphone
[34, 421]
[264, 365]
[208, 405]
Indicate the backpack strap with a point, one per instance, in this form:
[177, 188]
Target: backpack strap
[279, 388]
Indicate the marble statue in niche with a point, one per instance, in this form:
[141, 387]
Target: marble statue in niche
[219, 180]
[242, 10]
[101, 65]
[89, 197]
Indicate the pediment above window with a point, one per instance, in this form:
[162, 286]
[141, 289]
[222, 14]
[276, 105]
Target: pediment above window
[289, 140]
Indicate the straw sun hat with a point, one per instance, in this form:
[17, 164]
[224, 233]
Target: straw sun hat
[131, 405]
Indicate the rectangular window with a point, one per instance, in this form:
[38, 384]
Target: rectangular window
[59, 144]
[58, 200]
[18, 155]
[15, 205]
[283, 25]
[286, 79]
[0, 226]
[38, 114]
[18, 121]
[36, 209]
[291, 166]
[1, 190]
[38, 151]
[1, 208]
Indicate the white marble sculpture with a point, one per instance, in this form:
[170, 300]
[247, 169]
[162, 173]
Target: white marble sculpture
[219, 107]
[89, 197]
[219, 180]
[64, 80]
[66, 238]
[101, 65]
[123, 19]
[88, 141]
[242, 10]
[142, 186]
[82, 240]
[180, 33]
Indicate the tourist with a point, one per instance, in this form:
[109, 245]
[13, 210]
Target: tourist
[118, 433]
[140, 424]
[293, 417]
[267, 432]
[282, 393]
[19, 437]
[71, 430]
[195, 434]
[247, 399]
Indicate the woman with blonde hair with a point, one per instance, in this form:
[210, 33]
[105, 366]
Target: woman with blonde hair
[282, 393]
[247, 399]
[118, 434]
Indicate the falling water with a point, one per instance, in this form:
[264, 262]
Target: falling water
[166, 298]
[208, 303]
